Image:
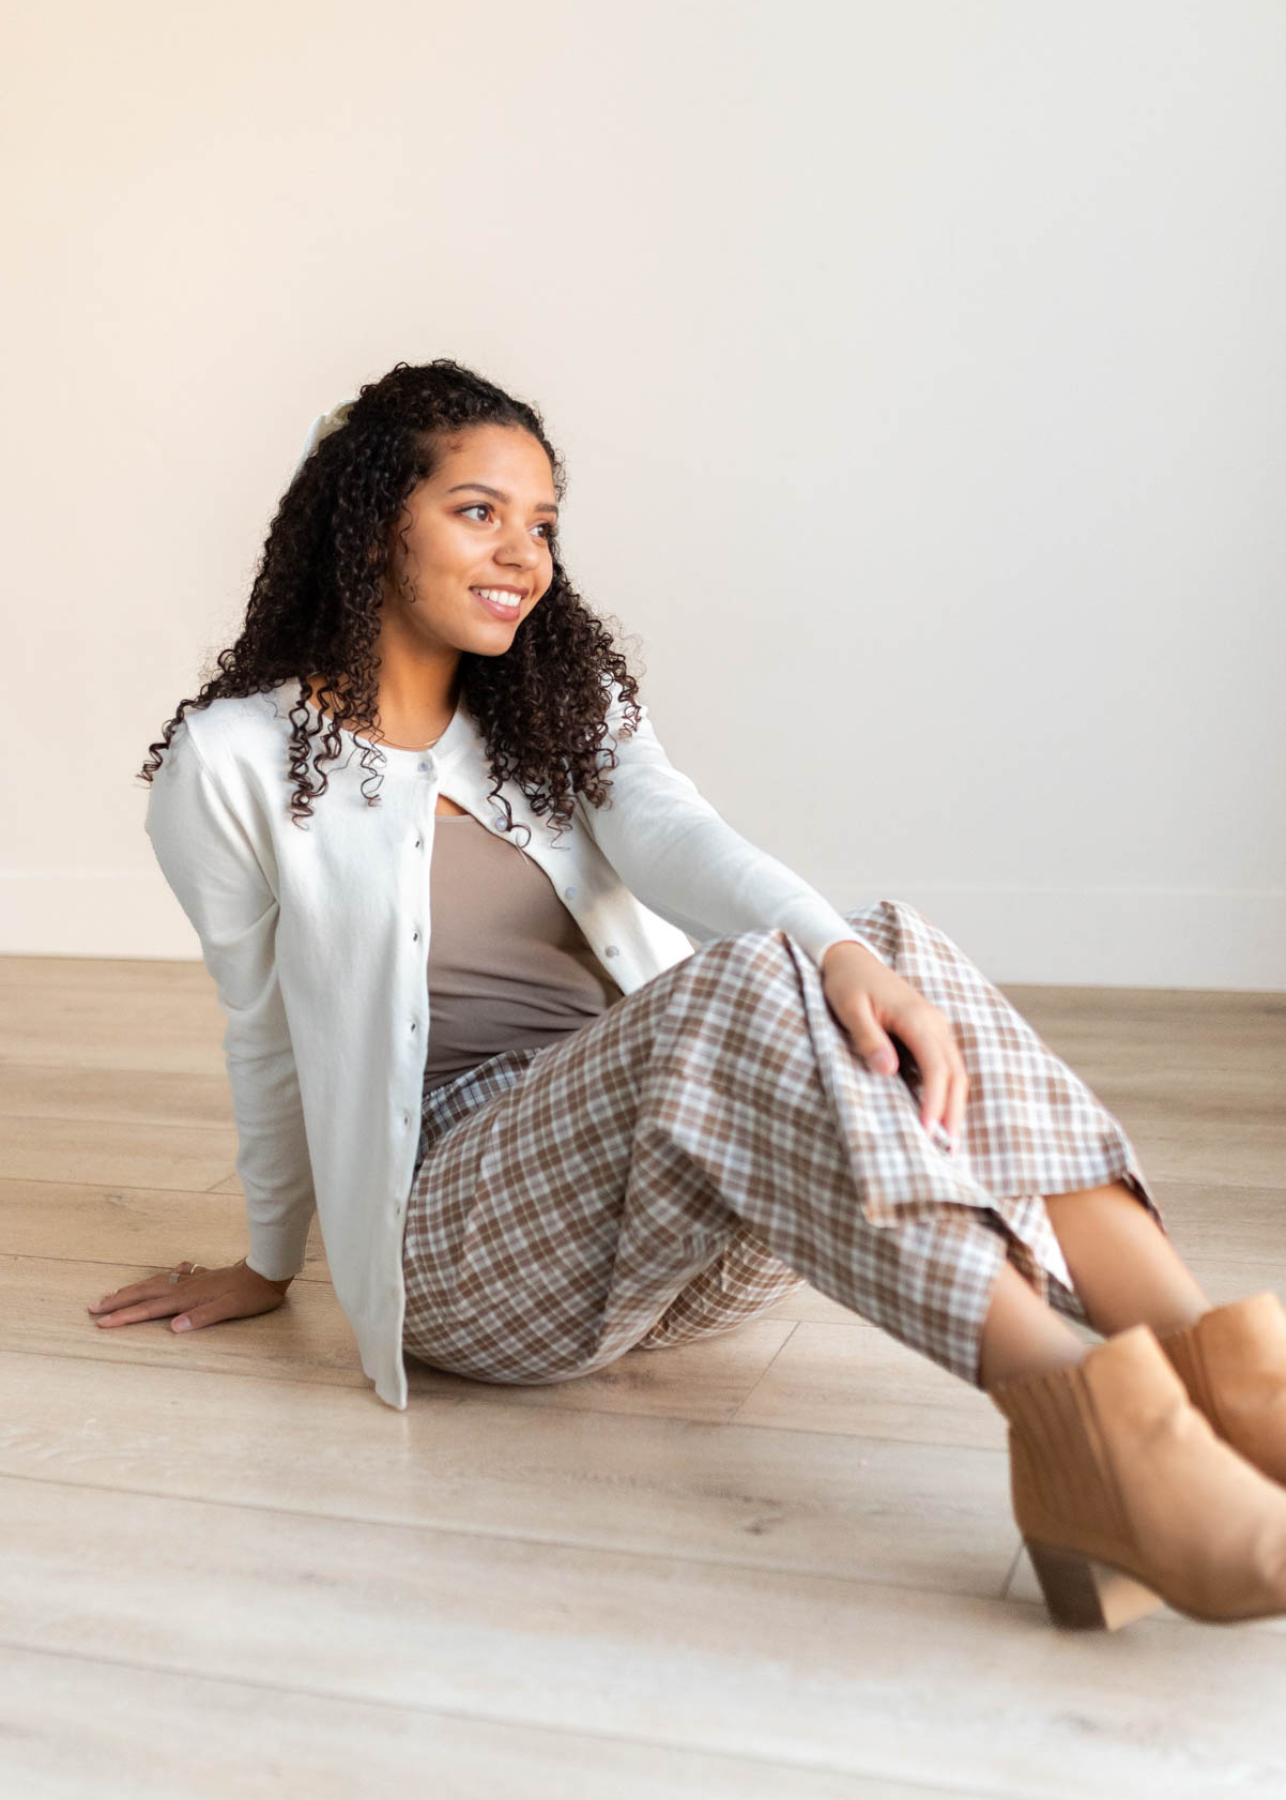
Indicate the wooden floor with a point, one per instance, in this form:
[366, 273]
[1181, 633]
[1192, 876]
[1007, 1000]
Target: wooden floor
[781, 1563]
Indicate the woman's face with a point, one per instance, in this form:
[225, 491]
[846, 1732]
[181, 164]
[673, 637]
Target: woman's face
[471, 553]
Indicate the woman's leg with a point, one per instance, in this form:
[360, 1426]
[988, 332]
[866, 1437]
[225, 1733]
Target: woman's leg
[1021, 1335]
[554, 1226]
[1127, 1271]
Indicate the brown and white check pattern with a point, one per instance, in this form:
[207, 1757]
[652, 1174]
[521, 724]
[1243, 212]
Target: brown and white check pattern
[712, 1140]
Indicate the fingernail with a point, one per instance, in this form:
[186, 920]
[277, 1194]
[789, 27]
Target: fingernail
[183, 1324]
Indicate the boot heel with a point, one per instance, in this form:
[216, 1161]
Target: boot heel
[1085, 1594]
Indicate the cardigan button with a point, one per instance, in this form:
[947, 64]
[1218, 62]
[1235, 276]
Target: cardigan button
[570, 893]
[611, 950]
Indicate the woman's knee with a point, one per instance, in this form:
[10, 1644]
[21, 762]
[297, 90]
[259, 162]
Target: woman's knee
[746, 950]
[901, 913]
[885, 920]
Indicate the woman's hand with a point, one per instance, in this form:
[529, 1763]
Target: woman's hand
[870, 1000]
[200, 1297]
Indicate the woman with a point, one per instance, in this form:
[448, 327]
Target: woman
[612, 1139]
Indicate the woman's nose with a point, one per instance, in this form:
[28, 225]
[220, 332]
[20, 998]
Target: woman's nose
[518, 551]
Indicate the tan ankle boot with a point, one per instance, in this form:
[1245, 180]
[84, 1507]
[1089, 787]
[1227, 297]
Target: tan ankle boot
[1232, 1361]
[1126, 1497]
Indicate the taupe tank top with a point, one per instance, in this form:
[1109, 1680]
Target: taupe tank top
[508, 965]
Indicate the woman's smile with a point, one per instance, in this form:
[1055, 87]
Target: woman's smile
[504, 602]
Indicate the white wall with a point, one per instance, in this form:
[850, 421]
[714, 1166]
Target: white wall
[919, 366]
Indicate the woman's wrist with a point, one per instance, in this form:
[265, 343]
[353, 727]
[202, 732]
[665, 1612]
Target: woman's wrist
[842, 944]
[281, 1283]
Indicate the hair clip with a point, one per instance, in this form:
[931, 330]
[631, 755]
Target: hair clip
[321, 427]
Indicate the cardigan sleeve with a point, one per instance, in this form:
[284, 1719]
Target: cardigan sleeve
[207, 855]
[682, 859]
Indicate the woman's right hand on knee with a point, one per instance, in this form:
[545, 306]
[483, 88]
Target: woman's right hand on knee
[200, 1297]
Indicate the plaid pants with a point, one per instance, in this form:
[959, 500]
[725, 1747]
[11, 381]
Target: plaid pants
[713, 1140]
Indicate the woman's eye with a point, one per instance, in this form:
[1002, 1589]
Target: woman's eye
[546, 528]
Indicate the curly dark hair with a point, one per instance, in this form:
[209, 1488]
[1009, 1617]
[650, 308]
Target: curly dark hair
[317, 594]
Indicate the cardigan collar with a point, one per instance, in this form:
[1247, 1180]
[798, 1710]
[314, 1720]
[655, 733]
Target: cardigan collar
[461, 737]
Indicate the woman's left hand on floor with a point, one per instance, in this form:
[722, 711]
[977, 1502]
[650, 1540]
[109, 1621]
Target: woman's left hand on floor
[199, 1297]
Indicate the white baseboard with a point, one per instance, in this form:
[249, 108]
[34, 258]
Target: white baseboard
[1088, 937]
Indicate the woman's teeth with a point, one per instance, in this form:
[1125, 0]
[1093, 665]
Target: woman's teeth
[499, 600]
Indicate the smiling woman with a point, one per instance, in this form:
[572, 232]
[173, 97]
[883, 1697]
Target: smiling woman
[621, 1140]
[422, 512]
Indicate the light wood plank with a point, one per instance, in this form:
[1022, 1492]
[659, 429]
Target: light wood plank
[58, 1090]
[107, 1013]
[42, 1312]
[154, 1227]
[72, 1725]
[1231, 1153]
[131, 1154]
[879, 1681]
[909, 1514]
[866, 1385]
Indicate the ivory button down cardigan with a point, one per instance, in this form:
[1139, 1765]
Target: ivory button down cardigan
[317, 941]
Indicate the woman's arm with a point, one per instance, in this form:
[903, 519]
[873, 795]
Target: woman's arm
[209, 860]
[684, 861]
